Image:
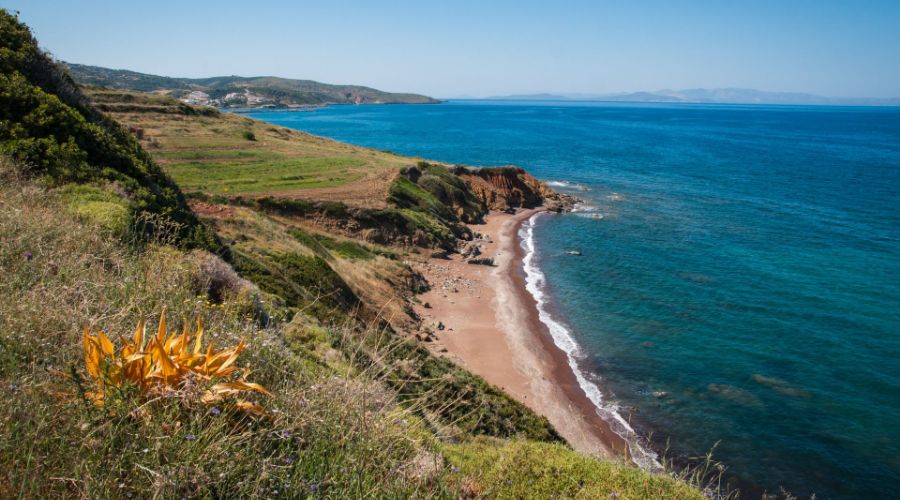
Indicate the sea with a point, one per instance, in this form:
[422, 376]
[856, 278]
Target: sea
[738, 284]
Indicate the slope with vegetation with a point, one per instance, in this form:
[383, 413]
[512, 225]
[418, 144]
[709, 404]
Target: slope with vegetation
[280, 91]
[354, 408]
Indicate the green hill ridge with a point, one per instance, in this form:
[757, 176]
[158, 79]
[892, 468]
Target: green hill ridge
[262, 90]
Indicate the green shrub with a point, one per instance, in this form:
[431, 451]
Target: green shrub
[457, 397]
[47, 126]
[323, 245]
[522, 469]
[285, 206]
[303, 282]
[101, 206]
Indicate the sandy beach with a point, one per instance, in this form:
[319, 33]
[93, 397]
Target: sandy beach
[491, 327]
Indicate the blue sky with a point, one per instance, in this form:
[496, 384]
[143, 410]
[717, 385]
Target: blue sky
[481, 48]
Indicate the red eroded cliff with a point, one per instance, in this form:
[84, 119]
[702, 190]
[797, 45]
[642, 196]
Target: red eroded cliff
[505, 187]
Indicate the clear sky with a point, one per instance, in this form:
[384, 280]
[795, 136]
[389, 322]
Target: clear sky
[480, 48]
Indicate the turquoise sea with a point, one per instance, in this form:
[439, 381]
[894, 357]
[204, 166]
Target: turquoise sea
[739, 287]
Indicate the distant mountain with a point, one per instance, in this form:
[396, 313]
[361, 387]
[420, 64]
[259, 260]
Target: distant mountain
[530, 97]
[241, 91]
[719, 96]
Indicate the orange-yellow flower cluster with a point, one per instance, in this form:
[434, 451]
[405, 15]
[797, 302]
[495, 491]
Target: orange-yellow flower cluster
[165, 363]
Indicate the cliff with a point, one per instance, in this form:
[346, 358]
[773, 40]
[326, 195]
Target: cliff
[507, 188]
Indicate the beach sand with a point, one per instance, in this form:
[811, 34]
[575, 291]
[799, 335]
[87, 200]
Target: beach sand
[491, 327]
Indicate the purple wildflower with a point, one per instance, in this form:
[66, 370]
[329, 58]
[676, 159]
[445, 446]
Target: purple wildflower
[190, 437]
[454, 469]
[613, 495]
[313, 487]
[28, 256]
[215, 412]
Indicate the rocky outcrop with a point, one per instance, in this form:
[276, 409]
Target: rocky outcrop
[432, 205]
[503, 188]
[508, 188]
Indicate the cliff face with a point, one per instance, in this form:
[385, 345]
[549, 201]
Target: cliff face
[467, 194]
[507, 188]
[504, 188]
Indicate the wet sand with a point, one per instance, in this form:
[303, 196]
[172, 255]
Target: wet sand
[491, 327]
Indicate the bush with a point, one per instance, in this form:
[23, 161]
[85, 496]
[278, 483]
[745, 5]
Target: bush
[47, 126]
[249, 135]
[457, 397]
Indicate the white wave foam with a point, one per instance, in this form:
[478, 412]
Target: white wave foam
[567, 185]
[562, 337]
[584, 207]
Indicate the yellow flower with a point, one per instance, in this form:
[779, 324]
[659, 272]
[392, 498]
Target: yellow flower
[165, 362]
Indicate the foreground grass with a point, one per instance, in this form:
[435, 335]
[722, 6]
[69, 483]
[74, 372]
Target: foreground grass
[525, 469]
[326, 434]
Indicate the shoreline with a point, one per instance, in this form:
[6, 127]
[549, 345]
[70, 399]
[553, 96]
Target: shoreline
[491, 326]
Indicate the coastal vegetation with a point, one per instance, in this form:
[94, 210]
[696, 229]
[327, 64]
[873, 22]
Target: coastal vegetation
[343, 399]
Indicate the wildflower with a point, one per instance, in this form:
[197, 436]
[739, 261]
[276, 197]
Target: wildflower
[454, 469]
[28, 256]
[165, 361]
[313, 487]
[215, 412]
[190, 437]
[288, 460]
[613, 495]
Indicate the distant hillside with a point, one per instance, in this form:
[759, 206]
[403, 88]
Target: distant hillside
[715, 96]
[241, 91]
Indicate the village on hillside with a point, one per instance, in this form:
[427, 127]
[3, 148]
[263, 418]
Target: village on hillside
[232, 99]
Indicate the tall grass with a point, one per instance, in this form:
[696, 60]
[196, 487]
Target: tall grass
[325, 435]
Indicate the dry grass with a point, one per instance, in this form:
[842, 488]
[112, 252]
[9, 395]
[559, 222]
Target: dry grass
[326, 435]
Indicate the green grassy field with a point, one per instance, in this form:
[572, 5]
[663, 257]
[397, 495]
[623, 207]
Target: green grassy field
[260, 175]
[227, 154]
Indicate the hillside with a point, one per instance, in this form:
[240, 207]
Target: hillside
[314, 380]
[238, 91]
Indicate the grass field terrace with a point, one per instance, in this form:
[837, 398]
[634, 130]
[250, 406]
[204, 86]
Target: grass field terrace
[221, 153]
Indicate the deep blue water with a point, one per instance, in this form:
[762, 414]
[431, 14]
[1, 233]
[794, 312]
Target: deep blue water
[747, 265]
